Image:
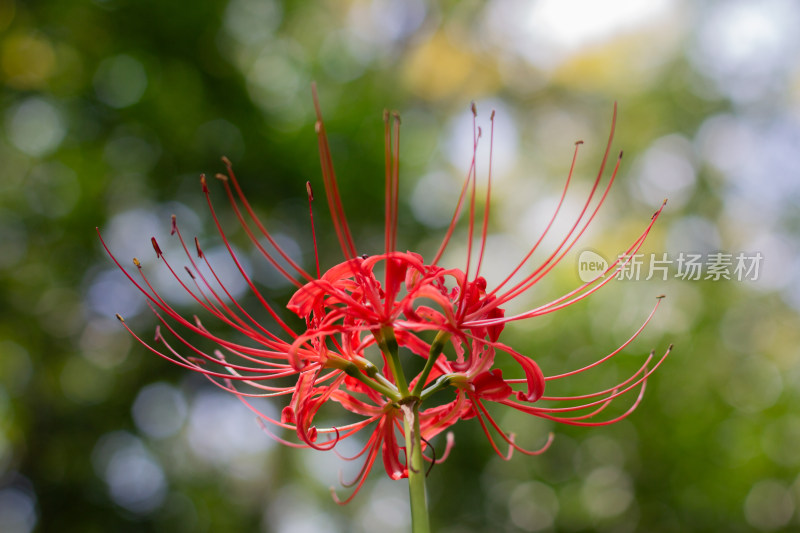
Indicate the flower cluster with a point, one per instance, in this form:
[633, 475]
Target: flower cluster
[368, 315]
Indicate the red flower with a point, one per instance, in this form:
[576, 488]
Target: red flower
[384, 302]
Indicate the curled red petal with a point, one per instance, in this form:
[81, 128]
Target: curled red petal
[491, 385]
[533, 376]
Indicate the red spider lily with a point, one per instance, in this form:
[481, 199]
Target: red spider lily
[381, 303]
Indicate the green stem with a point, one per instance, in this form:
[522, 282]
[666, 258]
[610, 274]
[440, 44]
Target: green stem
[437, 347]
[416, 466]
[373, 380]
[388, 345]
[442, 382]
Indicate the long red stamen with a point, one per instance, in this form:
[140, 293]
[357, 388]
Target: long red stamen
[387, 193]
[476, 134]
[395, 180]
[153, 297]
[239, 267]
[231, 319]
[220, 310]
[313, 231]
[331, 186]
[615, 352]
[589, 287]
[257, 221]
[488, 200]
[542, 412]
[531, 279]
[480, 412]
[510, 438]
[456, 213]
[549, 223]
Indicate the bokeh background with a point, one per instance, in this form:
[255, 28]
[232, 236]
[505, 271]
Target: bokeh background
[111, 109]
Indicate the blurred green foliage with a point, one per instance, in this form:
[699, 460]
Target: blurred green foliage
[112, 109]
